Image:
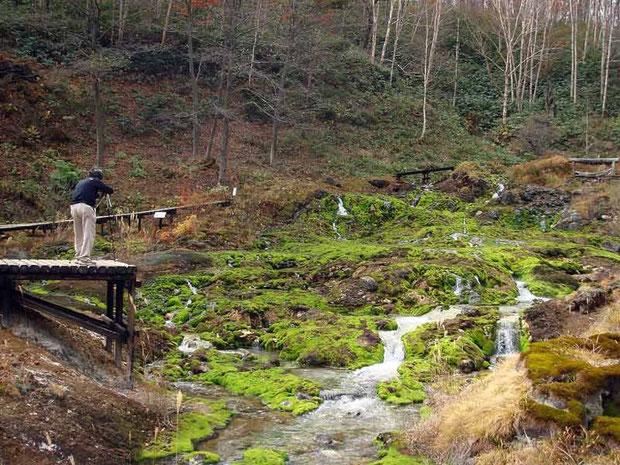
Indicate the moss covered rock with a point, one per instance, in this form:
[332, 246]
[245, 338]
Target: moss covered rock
[258, 456]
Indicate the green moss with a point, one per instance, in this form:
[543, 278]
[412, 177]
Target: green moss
[608, 426]
[192, 427]
[202, 457]
[393, 457]
[425, 412]
[332, 340]
[396, 392]
[554, 371]
[258, 456]
[277, 389]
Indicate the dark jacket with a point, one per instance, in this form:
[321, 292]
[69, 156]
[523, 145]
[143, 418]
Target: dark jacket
[87, 190]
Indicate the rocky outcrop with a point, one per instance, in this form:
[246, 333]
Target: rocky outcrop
[538, 199]
[464, 186]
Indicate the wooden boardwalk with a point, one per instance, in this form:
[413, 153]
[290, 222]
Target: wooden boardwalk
[137, 216]
[115, 326]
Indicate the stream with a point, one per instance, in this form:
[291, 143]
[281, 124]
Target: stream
[341, 430]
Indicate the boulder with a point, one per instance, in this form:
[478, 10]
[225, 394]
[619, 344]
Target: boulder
[332, 181]
[611, 246]
[368, 339]
[379, 183]
[587, 300]
[467, 366]
[570, 221]
[368, 284]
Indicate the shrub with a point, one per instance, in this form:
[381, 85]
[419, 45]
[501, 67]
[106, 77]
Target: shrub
[550, 171]
[64, 176]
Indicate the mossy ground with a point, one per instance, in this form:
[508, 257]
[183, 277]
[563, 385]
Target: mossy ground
[298, 289]
[258, 456]
[194, 425]
[557, 369]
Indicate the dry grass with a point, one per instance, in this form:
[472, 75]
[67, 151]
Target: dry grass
[552, 171]
[567, 448]
[607, 319]
[486, 411]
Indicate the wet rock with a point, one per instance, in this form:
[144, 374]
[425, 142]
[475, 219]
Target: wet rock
[611, 246]
[570, 221]
[379, 183]
[303, 396]
[332, 181]
[467, 366]
[383, 325]
[368, 339]
[369, 284]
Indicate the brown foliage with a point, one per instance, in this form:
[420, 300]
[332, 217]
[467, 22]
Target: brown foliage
[550, 171]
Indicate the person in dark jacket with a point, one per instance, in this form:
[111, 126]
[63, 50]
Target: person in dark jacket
[83, 212]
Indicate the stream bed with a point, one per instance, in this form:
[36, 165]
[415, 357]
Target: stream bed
[341, 430]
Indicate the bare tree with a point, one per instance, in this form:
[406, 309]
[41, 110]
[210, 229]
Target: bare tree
[430, 44]
[166, 22]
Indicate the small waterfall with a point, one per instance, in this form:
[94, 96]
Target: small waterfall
[335, 228]
[458, 286]
[500, 188]
[341, 210]
[507, 339]
[192, 342]
[193, 289]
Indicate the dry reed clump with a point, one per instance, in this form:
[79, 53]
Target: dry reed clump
[550, 171]
[487, 411]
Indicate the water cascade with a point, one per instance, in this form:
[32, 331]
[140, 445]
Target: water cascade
[507, 339]
[341, 430]
[192, 342]
[341, 210]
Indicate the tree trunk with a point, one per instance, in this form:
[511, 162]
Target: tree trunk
[375, 21]
[387, 31]
[456, 60]
[429, 54]
[256, 29]
[193, 82]
[166, 21]
[99, 120]
[275, 126]
[92, 22]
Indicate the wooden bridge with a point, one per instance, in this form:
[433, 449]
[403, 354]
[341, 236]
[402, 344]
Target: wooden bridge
[608, 172]
[425, 172]
[120, 278]
[129, 217]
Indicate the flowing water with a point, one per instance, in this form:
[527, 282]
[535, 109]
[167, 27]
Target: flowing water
[508, 340]
[341, 430]
[341, 210]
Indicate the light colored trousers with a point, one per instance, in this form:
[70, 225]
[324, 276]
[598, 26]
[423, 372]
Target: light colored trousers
[84, 221]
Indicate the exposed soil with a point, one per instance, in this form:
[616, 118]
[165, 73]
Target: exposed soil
[50, 411]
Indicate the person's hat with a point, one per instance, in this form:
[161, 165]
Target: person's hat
[96, 173]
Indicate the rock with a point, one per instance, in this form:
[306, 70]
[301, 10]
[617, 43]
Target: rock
[286, 403]
[538, 199]
[464, 186]
[467, 366]
[368, 284]
[368, 339]
[611, 246]
[303, 396]
[569, 221]
[494, 214]
[383, 325]
[332, 181]
[587, 300]
[379, 183]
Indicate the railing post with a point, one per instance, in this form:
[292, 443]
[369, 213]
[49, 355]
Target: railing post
[109, 311]
[120, 290]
